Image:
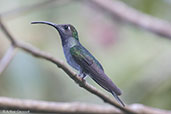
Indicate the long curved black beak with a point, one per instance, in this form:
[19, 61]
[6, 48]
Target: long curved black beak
[47, 23]
[58, 27]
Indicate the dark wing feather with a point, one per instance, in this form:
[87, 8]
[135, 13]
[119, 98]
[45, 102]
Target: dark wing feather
[89, 65]
[80, 53]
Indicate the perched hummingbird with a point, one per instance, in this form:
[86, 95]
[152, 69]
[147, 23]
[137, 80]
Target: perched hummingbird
[81, 59]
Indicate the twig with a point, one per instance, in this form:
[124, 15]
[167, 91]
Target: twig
[11, 104]
[120, 10]
[12, 39]
[7, 58]
[40, 54]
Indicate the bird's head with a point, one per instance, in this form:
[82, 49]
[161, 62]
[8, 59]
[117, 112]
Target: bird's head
[65, 30]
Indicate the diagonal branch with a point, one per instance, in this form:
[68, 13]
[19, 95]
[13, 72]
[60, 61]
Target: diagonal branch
[40, 54]
[7, 58]
[9, 36]
[119, 10]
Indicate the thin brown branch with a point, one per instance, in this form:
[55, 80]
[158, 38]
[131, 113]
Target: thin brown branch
[121, 11]
[9, 36]
[40, 54]
[55, 107]
[7, 58]
[69, 108]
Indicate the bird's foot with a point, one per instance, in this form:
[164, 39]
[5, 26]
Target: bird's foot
[82, 76]
[81, 84]
[83, 80]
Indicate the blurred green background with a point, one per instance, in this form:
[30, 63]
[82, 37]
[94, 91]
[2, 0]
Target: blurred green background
[138, 61]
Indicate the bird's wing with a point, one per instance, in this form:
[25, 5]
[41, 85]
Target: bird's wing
[83, 56]
[89, 65]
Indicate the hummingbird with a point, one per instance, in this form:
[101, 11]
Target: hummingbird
[78, 57]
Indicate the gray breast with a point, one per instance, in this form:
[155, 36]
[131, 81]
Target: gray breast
[69, 57]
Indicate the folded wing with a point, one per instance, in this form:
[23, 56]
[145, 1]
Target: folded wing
[92, 67]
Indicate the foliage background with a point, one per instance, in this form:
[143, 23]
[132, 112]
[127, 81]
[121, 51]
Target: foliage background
[136, 60]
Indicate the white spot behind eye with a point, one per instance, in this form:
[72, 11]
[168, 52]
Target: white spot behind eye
[69, 28]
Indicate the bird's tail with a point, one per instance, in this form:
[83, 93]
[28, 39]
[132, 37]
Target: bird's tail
[117, 98]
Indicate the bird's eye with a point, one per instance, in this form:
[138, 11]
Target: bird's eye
[66, 27]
